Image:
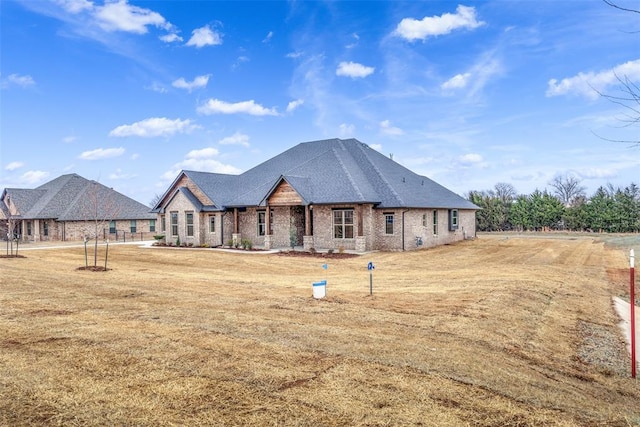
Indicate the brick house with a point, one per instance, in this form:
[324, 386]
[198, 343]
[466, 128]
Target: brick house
[328, 194]
[70, 207]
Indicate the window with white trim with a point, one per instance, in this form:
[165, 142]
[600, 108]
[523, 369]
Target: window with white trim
[174, 223]
[343, 223]
[188, 217]
[435, 223]
[388, 223]
[212, 223]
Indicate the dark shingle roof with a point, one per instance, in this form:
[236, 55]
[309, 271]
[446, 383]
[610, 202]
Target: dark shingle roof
[69, 198]
[328, 172]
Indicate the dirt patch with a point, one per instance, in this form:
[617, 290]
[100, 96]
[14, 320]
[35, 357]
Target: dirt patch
[94, 268]
[12, 256]
[305, 254]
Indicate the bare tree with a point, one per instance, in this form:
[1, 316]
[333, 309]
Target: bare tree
[567, 189]
[98, 207]
[154, 200]
[505, 192]
[629, 97]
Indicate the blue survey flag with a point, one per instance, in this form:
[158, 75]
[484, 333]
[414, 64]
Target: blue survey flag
[325, 266]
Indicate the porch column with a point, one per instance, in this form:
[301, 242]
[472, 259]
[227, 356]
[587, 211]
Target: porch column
[307, 221]
[236, 238]
[267, 219]
[361, 240]
[36, 230]
[307, 239]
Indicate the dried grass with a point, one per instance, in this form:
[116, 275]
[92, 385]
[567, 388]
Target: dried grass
[483, 333]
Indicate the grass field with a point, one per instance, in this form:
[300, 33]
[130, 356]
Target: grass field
[498, 331]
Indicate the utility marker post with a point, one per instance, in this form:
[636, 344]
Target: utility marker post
[632, 305]
[370, 267]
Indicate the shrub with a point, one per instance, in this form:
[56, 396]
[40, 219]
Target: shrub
[178, 241]
[247, 244]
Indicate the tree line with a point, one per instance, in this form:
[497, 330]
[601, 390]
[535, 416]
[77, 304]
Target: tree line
[564, 207]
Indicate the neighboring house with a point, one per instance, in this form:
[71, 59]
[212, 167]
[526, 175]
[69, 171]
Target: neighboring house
[330, 194]
[71, 207]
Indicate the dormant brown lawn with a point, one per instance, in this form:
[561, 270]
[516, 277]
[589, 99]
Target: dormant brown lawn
[492, 332]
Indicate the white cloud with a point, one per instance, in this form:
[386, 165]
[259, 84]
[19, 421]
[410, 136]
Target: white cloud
[101, 153]
[201, 160]
[215, 106]
[268, 38]
[294, 55]
[157, 87]
[294, 105]
[474, 80]
[75, 6]
[119, 175]
[69, 139]
[171, 38]
[13, 166]
[154, 126]
[377, 147]
[121, 16]
[236, 139]
[354, 70]
[413, 29]
[135, 156]
[589, 84]
[18, 80]
[387, 129]
[470, 160]
[198, 82]
[34, 177]
[204, 36]
[456, 82]
[346, 130]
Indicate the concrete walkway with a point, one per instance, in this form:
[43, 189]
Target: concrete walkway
[623, 309]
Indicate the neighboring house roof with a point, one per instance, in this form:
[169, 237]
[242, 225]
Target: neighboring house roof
[331, 171]
[74, 198]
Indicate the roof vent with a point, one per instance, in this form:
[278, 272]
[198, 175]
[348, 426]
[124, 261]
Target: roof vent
[391, 156]
[403, 179]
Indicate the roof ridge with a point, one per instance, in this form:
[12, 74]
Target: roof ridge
[346, 171]
[380, 175]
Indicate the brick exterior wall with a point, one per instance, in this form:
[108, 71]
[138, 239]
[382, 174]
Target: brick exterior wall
[408, 226]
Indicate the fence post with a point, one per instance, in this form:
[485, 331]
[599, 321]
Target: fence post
[632, 305]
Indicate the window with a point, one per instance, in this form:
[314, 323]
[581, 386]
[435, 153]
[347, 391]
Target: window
[45, 228]
[28, 228]
[262, 223]
[425, 220]
[174, 223]
[262, 229]
[189, 221]
[132, 226]
[152, 225]
[343, 224]
[453, 219]
[388, 223]
[435, 223]
[112, 227]
[212, 223]
[163, 224]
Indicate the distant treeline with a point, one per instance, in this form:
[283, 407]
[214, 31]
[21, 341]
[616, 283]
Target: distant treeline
[613, 210]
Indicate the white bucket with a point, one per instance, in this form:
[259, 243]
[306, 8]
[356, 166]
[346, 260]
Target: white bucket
[320, 289]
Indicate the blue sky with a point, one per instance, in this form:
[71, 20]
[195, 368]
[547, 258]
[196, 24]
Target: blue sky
[469, 94]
